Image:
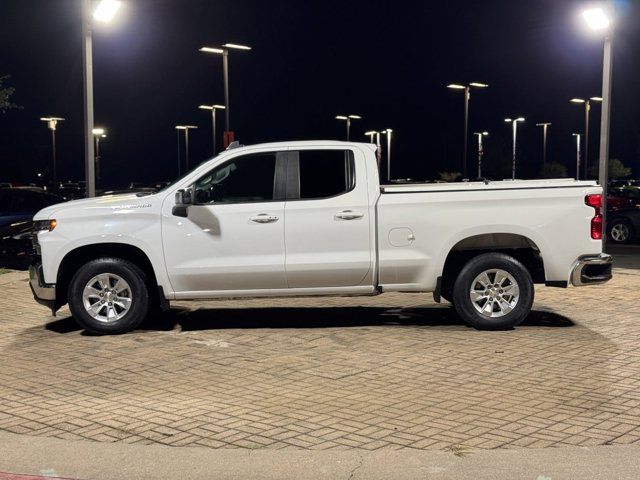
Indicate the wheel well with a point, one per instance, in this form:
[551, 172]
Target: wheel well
[81, 255]
[519, 247]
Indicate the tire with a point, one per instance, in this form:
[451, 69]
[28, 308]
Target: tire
[109, 296]
[501, 307]
[620, 231]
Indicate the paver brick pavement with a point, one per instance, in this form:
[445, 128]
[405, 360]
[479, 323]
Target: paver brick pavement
[390, 372]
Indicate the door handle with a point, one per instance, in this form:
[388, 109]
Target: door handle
[264, 218]
[348, 215]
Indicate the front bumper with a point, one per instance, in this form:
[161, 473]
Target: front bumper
[43, 293]
[592, 270]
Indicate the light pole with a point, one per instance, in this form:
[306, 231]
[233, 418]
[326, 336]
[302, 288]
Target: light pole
[577, 137]
[52, 123]
[186, 129]
[599, 20]
[375, 133]
[98, 133]
[348, 118]
[104, 12]
[388, 132]
[545, 127]
[371, 134]
[514, 122]
[587, 114]
[179, 155]
[228, 136]
[213, 109]
[467, 97]
[480, 150]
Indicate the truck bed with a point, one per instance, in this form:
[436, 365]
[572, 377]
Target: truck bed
[488, 185]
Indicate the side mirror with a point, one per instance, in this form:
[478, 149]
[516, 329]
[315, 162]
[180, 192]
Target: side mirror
[184, 196]
[183, 199]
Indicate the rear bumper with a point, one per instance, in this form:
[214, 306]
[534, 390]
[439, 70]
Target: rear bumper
[592, 270]
[43, 293]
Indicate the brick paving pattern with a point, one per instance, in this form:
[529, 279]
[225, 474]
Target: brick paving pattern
[395, 371]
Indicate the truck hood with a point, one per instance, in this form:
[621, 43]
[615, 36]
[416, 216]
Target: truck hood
[100, 205]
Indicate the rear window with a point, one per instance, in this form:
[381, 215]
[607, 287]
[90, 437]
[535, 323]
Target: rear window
[325, 173]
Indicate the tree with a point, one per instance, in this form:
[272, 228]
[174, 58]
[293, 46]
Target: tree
[553, 170]
[450, 176]
[616, 169]
[5, 96]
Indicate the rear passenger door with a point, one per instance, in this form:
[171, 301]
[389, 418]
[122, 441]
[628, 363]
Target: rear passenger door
[327, 227]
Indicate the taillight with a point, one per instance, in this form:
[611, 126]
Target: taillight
[595, 201]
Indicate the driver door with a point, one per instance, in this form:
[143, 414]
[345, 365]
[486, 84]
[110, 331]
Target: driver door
[233, 237]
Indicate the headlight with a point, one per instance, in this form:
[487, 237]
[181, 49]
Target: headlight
[44, 225]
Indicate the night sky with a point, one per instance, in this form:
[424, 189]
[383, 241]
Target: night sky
[387, 61]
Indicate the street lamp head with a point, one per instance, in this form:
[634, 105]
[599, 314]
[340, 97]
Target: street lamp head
[98, 131]
[596, 99]
[355, 117]
[341, 117]
[185, 127]
[236, 46]
[106, 10]
[545, 124]
[456, 86]
[597, 19]
[576, 134]
[520, 119]
[211, 50]
[52, 122]
[508, 120]
[577, 100]
[211, 107]
[387, 131]
[370, 132]
[478, 85]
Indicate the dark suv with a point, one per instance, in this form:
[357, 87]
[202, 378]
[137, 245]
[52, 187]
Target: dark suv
[17, 204]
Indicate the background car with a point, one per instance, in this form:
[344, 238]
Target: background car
[623, 226]
[16, 246]
[18, 204]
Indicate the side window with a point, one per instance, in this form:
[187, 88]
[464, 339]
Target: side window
[249, 178]
[325, 173]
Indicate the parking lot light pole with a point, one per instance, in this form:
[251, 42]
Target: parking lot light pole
[480, 150]
[52, 123]
[376, 134]
[467, 98]
[578, 137]
[545, 127]
[600, 21]
[587, 114]
[514, 123]
[388, 132]
[348, 119]
[224, 51]
[104, 12]
[98, 133]
[185, 129]
[213, 109]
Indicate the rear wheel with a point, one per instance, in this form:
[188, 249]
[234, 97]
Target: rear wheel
[493, 291]
[109, 295]
[620, 231]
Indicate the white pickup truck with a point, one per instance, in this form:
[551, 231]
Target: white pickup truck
[311, 218]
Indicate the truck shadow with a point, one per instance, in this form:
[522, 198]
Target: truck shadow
[312, 317]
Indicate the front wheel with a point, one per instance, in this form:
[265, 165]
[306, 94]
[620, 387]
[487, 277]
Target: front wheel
[109, 296]
[493, 292]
